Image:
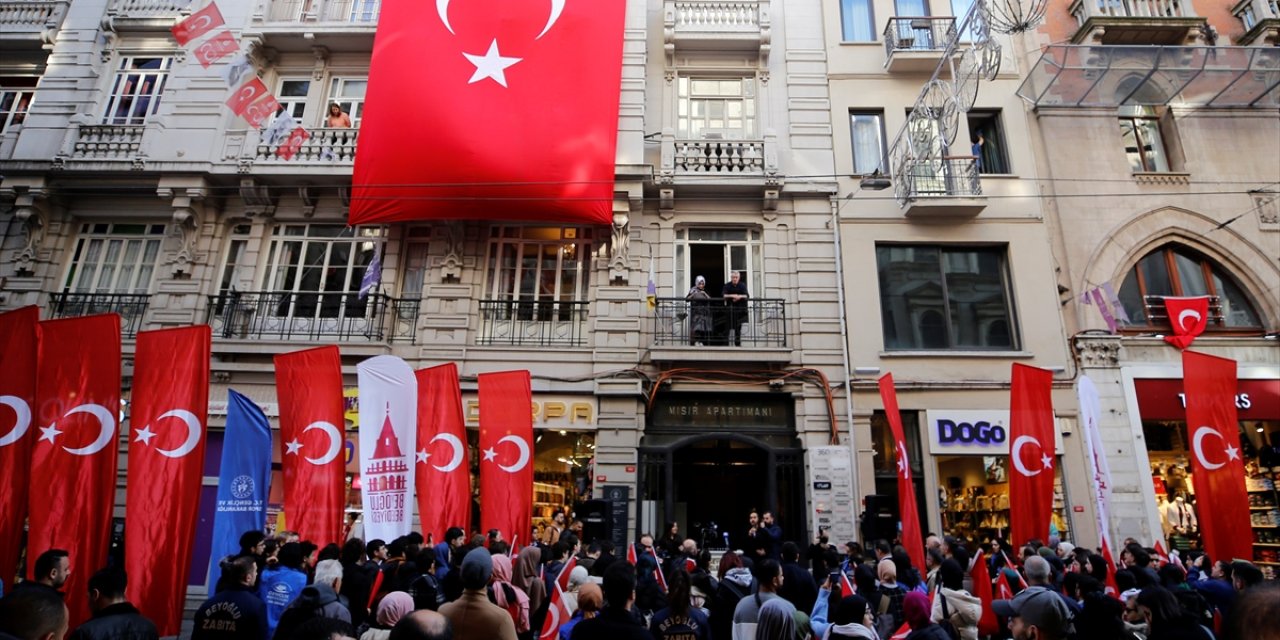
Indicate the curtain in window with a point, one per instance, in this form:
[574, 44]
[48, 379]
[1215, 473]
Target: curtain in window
[866, 143]
[856, 17]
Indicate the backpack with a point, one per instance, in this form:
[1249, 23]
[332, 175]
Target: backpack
[885, 626]
[946, 625]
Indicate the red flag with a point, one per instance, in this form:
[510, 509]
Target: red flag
[847, 587]
[291, 146]
[902, 632]
[557, 615]
[657, 573]
[17, 397]
[1031, 454]
[988, 624]
[523, 112]
[506, 446]
[248, 93]
[1161, 555]
[257, 113]
[911, 538]
[442, 460]
[1214, 432]
[309, 386]
[198, 24]
[216, 48]
[631, 554]
[690, 565]
[166, 464]
[1003, 590]
[563, 578]
[1112, 589]
[1188, 317]
[74, 459]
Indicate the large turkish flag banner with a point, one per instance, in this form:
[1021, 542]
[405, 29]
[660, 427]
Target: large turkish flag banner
[309, 386]
[911, 538]
[491, 109]
[506, 454]
[73, 466]
[17, 396]
[443, 467]
[1213, 429]
[166, 465]
[1031, 455]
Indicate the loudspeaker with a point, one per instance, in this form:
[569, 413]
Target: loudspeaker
[880, 519]
[597, 520]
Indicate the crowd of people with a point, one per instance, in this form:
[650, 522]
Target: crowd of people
[476, 588]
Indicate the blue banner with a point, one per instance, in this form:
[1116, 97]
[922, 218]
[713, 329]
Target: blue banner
[244, 480]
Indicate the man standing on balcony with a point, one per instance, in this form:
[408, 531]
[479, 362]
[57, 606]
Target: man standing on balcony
[735, 297]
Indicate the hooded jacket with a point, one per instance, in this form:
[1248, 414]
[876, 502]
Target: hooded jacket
[315, 601]
[736, 585]
[965, 612]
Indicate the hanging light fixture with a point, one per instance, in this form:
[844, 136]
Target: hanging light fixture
[1015, 16]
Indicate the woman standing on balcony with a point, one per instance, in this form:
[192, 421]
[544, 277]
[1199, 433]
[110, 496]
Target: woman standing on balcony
[338, 119]
[699, 312]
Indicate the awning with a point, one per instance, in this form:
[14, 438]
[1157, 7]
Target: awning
[1114, 76]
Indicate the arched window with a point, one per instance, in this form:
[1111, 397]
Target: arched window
[1177, 270]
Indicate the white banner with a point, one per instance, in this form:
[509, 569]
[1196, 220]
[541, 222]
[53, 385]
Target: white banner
[388, 439]
[1090, 414]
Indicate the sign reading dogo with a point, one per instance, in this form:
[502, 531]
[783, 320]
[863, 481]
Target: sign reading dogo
[978, 433]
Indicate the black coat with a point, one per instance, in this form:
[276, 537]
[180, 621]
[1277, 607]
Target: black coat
[798, 586]
[931, 632]
[234, 614]
[117, 622]
[612, 624]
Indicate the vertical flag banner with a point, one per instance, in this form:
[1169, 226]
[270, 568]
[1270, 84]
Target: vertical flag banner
[911, 538]
[1090, 415]
[74, 459]
[523, 112]
[442, 464]
[1031, 454]
[651, 291]
[1213, 428]
[388, 437]
[1188, 317]
[166, 465]
[244, 479]
[309, 386]
[506, 448]
[17, 397]
[988, 624]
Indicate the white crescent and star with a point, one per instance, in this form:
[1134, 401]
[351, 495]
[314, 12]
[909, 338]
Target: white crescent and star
[1182, 318]
[1015, 454]
[335, 442]
[491, 65]
[458, 453]
[1197, 445]
[106, 429]
[903, 469]
[491, 454]
[557, 8]
[22, 412]
[145, 434]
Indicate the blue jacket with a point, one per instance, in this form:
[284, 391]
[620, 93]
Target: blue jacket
[235, 613]
[442, 560]
[278, 588]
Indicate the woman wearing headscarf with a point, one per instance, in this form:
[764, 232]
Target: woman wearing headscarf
[394, 605]
[508, 596]
[590, 601]
[852, 619]
[955, 604]
[915, 608]
[527, 577]
[577, 577]
[777, 620]
[699, 312]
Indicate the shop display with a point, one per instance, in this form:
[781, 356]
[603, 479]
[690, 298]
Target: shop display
[1264, 512]
[975, 500]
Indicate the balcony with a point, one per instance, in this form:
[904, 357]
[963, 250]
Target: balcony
[538, 323]
[1261, 20]
[1138, 22]
[30, 24]
[327, 147]
[107, 142]
[939, 189]
[294, 25]
[144, 15]
[740, 26]
[302, 316]
[685, 330]
[916, 44]
[131, 307]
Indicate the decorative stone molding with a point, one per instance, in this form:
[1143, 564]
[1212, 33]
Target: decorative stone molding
[33, 221]
[322, 61]
[310, 198]
[1098, 352]
[187, 217]
[258, 202]
[1268, 207]
[454, 234]
[1163, 177]
[620, 249]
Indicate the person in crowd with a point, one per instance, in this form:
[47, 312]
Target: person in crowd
[649, 597]
[51, 571]
[1138, 561]
[768, 575]
[700, 320]
[511, 598]
[114, 617]
[376, 552]
[1040, 574]
[679, 620]
[616, 621]
[953, 604]
[882, 549]
[317, 600]
[279, 586]
[608, 556]
[887, 598]
[454, 537]
[558, 556]
[422, 625]
[588, 557]
[736, 583]
[590, 601]
[393, 608]
[1166, 620]
[908, 576]
[1254, 615]
[735, 296]
[669, 543]
[798, 586]
[1036, 614]
[337, 118]
[330, 551]
[1244, 575]
[932, 562]
[1216, 586]
[526, 577]
[1101, 616]
[236, 612]
[357, 580]
[822, 557]
[770, 526]
[33, 614]
[552, 534]
[472, 615]
[425, 589]
[915, 608]
[577, 577]
[853, 618]
[325, 629]
[1134, 622]
[777, 621]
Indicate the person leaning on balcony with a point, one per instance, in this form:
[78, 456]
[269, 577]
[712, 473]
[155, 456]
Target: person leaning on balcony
[699, 312]
[735, 303]
[338, 119]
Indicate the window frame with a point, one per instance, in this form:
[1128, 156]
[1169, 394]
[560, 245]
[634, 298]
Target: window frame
[151, 238]
[748, 97]
[1000, 151]
[13, 91]
[1208, 266]
[292, 103]
[1133, 117]
[848, 25]
[527, 245]
[352, 106]
[883, 161]
[116, 97]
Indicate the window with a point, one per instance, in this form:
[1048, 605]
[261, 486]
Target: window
[324, 263]
[713, 253]
[15, 99]
[365, 10]
[992, 155]
[911, 8]
[293, 98]
[712, 108]
[1248, 16]
[938, 297]
[416, 261]
[349, 94]
[1143, 142]
[1176, 270]
[232, 266]
[857, 21]
[114, 258]
[867, 131]
[136, 92]
[544, 264]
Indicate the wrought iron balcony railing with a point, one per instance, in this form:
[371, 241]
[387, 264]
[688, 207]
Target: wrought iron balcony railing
[300, 315]
[130, 306]
[921, 33]
[680, 322]
[947, 176]
[533, 322]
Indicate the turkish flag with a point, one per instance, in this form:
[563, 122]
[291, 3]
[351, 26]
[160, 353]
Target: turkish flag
[443, 466]
[501, 110]
[166, 466]
[1188, 317]
[557, 614]
[506, 447]
[910, 515]
[1213, 429]
[293, 144]
[248, 93]
[1162, 556]
[17, 397]
[988, 624]
[198, 24]
[309, 386]
[1031, 454]
[563, 578]
[631, 554]
[216, 48]
[73, 465]
[257, 113]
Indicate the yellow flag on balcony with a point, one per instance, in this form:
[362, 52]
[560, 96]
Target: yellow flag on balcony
[651, 294]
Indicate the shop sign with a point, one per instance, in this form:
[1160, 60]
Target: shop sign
[550, 411]
[736, 411]
[1163, 399]
[831, 476]
[969, 432]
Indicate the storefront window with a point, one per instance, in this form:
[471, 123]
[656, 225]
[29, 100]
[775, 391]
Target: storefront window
[973, 496]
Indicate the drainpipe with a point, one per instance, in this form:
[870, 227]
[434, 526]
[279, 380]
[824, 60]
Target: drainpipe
[844, 347]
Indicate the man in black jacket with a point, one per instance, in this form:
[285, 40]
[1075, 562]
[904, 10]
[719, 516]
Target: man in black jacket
[114, 618]
[798, 585]
[735, 296]
[616, 621]
[235, 613]
[33, 614]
